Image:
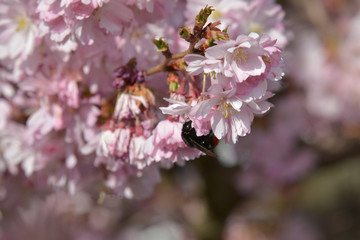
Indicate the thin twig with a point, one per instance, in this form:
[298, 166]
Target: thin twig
[162, 67]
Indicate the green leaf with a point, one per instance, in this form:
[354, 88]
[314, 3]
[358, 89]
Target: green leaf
[203, 15]
[185, 33]
[161, 45]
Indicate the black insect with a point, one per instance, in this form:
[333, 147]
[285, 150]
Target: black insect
[205, 143]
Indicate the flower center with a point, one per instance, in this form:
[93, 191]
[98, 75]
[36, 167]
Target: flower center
[225, 108]
[256, 27]
[22, 23]
[136, 34]
[241, 55]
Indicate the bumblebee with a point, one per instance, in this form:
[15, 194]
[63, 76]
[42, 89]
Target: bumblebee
[205, 143]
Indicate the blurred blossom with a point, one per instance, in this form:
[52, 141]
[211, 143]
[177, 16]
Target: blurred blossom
[62, 115]
[133, 184]
[321, 69]
[15, 152]
[19, 30]
[137, 42]
[288, 163]
[161, 230]
[166, 144]
[94, 95]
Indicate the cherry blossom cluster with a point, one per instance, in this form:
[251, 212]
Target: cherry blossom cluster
[81, 83]
[239, 71]
[98, 96]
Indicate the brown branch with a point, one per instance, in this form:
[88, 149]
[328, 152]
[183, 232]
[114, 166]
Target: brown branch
[162, 67]
[193, 38]
[159, 68]
[188, 51]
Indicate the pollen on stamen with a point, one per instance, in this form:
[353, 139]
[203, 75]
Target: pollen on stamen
[266, 59]
[213, 74]
[241, 55]
[225, 108]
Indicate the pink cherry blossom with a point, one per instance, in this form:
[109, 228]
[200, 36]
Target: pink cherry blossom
[15, 151]
[176, 107]
[240, 58]
[228, 120]
[126, 106]
[151, 11]
[68, 125]
[69, 91]
[112, 20]
[137, 156]
[198, 64]
[137, 42]
[19, 32]
[114, 143]
[263, 17]
[69, 23]
[166, 146]
[43, 121]
[232, 111]
[243, 56]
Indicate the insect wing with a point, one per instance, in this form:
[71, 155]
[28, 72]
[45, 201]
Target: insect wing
[201, 148]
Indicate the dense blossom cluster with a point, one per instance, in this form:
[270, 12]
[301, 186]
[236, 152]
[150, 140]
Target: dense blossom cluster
[70, 111]
[98, 96]
[240, 70]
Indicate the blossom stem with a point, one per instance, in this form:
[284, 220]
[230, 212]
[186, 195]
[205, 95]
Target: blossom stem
[163, 66]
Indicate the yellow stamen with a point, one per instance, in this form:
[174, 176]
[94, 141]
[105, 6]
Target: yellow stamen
[213, 74]
[266, 59]
[241, 55]
[22, 23]
[225, 108]
[204, 83]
